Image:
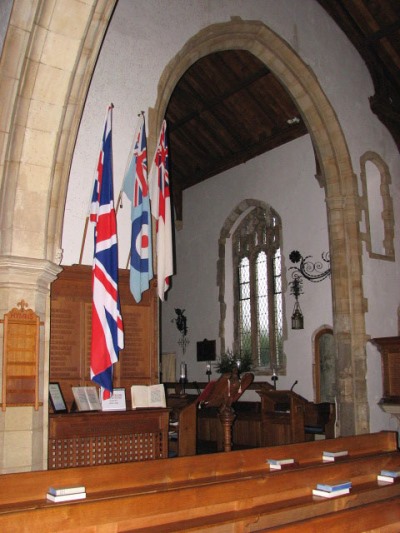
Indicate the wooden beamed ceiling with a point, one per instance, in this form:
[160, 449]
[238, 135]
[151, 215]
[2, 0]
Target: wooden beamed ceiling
[228, 107]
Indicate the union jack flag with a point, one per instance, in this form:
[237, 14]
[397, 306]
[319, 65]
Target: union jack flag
[136, 188]
[107, 328]
[161, 210]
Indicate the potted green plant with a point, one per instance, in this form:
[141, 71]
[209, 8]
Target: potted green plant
[229, 360]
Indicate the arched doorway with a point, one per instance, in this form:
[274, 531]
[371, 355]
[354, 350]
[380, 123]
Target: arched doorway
[324, 366]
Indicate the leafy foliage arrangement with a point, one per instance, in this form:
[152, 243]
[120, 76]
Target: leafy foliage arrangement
[229, 360]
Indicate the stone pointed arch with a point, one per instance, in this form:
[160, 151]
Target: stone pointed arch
[340, 189]
[43, 95]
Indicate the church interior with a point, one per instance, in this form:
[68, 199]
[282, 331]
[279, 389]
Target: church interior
[271, 362]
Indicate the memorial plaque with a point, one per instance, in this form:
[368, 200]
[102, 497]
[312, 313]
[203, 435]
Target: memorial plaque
[20, 357]
[70, 334]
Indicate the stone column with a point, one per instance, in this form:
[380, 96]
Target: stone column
[23, 431]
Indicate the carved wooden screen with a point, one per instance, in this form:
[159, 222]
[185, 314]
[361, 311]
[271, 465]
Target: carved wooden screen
[20, 357]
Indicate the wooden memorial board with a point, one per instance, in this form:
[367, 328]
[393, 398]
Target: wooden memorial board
[70, 334]
[21, 357]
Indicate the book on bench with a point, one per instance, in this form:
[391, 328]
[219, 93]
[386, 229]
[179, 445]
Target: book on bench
[61, 491]
[66, 497]
[333, 456]
[66, 494]
[389, 476]
[279, 464]
[334, 487]
[327, 494]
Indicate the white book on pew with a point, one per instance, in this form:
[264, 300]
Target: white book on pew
[66, 497]
[328, 494]
[332, 456]
[61, 491]
[389, 476]
[279, 464]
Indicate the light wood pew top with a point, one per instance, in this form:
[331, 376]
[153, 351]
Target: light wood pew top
[152, 475]
[366, 518]
[273, 499]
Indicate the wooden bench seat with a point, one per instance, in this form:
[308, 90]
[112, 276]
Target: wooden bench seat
[32, 485]
[382, 516]
[270, 499]
[221, 490]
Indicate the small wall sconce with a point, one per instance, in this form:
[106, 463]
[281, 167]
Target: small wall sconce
[297, 315]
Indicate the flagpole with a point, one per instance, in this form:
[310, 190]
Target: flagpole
[83, 239]
[128, 260]
[118, 202]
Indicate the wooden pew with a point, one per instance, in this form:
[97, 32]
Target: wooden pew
[319, 419]
[247, 504]
[32, 486]
[236, 488]
[380, 516]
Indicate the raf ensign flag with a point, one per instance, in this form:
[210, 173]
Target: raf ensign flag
[107, 329]
[161, 210]
[136, 188]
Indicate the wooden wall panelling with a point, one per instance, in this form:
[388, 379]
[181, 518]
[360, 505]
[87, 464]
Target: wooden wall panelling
[389, 348]
[70, 335]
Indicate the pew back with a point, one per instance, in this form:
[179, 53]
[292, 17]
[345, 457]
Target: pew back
[25, 487]
[271, 499]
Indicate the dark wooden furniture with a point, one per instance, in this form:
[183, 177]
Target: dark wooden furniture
[233, 492]
[287, 417]
[319, 419]
[87, 439]
[246, 429]
[282, 417]
[389, 348]
[183, 424]
[223, 394]
[70, 334]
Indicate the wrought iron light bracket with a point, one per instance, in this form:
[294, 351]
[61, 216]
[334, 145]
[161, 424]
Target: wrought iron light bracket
[311, 271]
[308, 270]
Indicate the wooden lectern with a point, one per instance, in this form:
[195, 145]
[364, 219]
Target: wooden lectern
[222, 394]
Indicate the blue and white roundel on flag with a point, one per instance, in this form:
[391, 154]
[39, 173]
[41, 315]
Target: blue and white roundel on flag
[141, 251]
